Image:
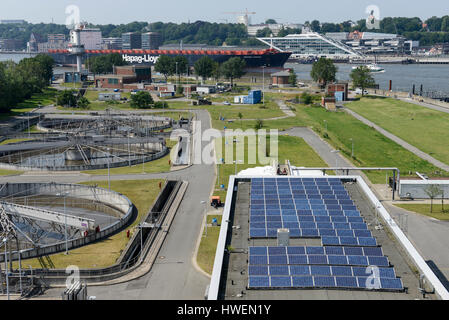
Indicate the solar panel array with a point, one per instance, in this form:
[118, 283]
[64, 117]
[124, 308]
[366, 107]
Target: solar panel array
[314, 208]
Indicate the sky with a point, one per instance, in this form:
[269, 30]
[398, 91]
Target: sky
[294, 11]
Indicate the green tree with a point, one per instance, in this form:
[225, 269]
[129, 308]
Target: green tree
[306, 98]
[265, 32]
[83, 103]
[234, 68]
[67, 99]
[141, 100]
[204, 67]
[292, 79]
[433, 191]
[258, 125]
[270, 21]
[445, 24]
[315, 26]
[240, 115]
[217, 71]
[323, 71]
[362, 78]
[165, 66]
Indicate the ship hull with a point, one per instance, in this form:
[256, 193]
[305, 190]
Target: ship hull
[268, 59]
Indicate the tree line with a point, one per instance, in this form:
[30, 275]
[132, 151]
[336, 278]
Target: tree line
[104, 63]
[205, 67]
[19, 81]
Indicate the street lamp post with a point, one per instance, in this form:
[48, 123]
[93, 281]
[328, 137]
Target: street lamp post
[204, 202]
[109, 171]
[6, 268]
[263, 83]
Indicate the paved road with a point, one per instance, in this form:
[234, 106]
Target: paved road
[173, 276]
[429, 236]
[399, 141]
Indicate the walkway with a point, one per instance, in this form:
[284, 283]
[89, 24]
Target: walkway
[399, 141]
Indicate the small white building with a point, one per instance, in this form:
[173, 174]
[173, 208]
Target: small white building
[107, 96]
[206, 89]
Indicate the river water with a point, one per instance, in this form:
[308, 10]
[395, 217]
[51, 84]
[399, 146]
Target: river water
[434, 78]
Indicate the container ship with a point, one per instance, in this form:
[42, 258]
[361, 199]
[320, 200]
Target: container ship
[254, 58]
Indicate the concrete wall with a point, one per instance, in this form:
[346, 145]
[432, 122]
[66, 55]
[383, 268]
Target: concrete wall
[164, 151]
[110, 198]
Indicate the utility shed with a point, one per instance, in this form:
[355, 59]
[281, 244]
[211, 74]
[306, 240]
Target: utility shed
[416, 189]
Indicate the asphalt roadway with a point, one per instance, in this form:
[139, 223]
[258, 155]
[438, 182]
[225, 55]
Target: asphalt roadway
[173, 276]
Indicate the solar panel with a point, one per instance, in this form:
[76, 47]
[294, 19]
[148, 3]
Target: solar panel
[324, 282]
[258, 270]
[346, 282]
[279, 270]
[281, 282]
[258, 282]
[313, 208]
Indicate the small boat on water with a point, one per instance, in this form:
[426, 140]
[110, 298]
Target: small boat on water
[374, 68]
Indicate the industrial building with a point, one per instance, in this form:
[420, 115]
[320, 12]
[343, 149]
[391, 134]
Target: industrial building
[281, 78]
[310, 44]
[90, 38]
[124, 77]
[314, 237]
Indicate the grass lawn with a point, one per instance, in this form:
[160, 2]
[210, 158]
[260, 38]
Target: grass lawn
[9, 172]
[371, 149]
[105, 253]
[289, 148]
[208, 245]
[8, 141]
[424, 209]
[422, 127]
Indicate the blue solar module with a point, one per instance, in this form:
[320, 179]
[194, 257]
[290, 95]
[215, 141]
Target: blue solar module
[348, 241]
[330, 241]
[255, 251]
[277, 250]
[279, 270]
[259, 282]
[353, 251]
[297, 259]
[320, 271]
[315, 250]
[302, 282]
[357, 261]
[277, 259]
[393, 284]
[373, 251]
[317, 259]
[281, 282]
[378, 261]
[324, 282]
[341, 271]
[338, 260]
[258, 270]
[299, 270]
[296, 250]
[258, 260]
[346, 282]
[334, 250]
[258, 233]
[369, 242]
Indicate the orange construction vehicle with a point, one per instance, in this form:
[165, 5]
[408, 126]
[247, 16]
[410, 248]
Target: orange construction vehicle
[215, 202]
